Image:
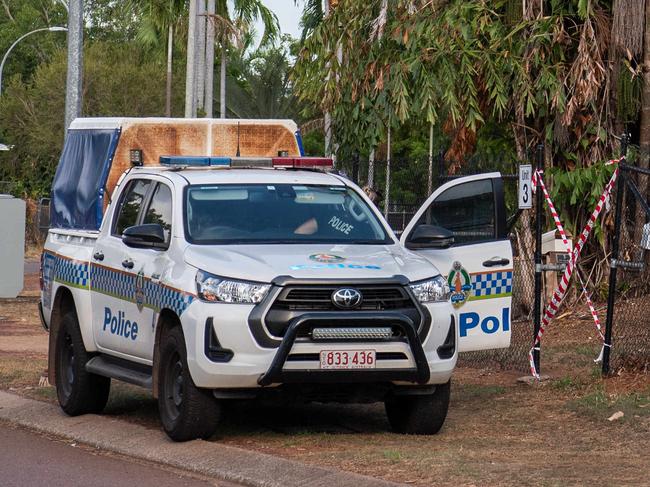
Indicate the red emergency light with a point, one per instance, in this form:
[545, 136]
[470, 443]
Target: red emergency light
[303, 162]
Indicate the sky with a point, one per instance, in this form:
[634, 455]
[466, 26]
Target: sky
[288, 15]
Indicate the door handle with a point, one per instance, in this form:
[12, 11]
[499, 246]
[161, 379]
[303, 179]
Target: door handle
[98, 256]
[496, 261]
[127, 263]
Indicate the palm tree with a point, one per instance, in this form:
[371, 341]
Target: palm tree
[230, 26]
[158, 17]
[258, 83]
[312, 16]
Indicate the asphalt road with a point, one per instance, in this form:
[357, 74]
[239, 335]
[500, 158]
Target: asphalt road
[28, 459]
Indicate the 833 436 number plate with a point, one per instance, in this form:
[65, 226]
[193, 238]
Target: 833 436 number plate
[347, 359]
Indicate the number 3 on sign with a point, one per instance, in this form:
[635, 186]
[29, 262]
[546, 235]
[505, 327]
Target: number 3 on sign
[525, 186]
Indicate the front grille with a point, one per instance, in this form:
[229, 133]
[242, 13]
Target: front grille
[319, 298]
[296, 300]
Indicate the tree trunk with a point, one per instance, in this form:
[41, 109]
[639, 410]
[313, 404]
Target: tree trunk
[371, 169]
[200, 56]
[168, 87]
[524, 262]
[430, 180]
[644, 126]
[74, 77]
[190, 105]
[222, 84]
[387, 195]
[209, 61]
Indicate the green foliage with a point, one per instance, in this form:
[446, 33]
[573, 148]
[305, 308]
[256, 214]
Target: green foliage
[18, 17]
[579, 190]
[31, 113]
[629, 86]
[259, 85]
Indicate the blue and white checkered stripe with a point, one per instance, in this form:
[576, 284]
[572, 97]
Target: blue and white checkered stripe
[117, 284]
[165, 297]
[68, 271]
[121, 285]
[492, 284]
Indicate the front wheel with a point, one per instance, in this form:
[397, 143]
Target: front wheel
[78, 391]
[419, 415]
[186, 412]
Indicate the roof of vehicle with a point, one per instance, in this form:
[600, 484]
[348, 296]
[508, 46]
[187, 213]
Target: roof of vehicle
[119, 122]
[246, 176]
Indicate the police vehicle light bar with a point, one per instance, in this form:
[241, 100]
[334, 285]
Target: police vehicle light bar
[196, 161]
[276, 162]
[322, 162]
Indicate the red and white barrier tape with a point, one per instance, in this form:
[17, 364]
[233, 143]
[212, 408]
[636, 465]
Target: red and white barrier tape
[567, 246]
[560, 292]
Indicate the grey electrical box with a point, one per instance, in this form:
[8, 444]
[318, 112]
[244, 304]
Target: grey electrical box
[12, 245]
[645, 237]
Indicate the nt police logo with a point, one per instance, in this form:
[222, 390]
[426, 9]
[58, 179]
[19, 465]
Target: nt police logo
[460, 284]
[139, 290]
[326, 258]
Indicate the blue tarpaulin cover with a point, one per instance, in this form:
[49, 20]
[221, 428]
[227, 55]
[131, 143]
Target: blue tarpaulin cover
[78, 186]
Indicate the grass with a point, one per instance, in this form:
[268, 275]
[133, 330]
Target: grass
[18, 371]
[600, 405]
[476, 391]
[393, 456]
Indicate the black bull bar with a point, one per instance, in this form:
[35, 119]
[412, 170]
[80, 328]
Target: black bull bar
[275, 374]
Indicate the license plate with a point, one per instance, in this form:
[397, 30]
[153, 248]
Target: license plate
[347, 359]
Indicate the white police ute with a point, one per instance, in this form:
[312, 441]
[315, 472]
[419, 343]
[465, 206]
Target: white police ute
[216, 277]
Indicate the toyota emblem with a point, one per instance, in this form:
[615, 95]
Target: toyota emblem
[346, 298]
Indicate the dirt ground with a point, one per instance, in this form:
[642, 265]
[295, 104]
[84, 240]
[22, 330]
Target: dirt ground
[498, 432]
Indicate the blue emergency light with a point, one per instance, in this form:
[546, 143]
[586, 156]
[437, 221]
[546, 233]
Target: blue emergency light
[286, 162]
[196, 161]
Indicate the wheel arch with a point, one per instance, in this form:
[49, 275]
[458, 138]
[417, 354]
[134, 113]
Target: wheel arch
[62, 304]
[167, 319]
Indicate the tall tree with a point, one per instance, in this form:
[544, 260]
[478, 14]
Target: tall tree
[231, 24]
[160, 19]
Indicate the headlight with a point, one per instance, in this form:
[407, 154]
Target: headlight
[431, 290]
[218, 289]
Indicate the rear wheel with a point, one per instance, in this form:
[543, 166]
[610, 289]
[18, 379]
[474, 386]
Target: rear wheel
[186, 412]
[419, 415]
[78, 391]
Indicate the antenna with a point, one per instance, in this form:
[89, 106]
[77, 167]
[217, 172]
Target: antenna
[238, 154]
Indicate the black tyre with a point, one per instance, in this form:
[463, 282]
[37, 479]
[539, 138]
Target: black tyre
[78, 391]
[186, 412]
[419, 415]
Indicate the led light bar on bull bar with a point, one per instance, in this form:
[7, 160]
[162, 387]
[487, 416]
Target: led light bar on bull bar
[277, 162]
[353, 333]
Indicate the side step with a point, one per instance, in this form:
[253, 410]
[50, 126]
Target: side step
[121, 369]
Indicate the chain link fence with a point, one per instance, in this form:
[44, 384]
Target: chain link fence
[630, 302]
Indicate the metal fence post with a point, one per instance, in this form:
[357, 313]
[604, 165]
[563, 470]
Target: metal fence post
[611, 292]
[537, 309]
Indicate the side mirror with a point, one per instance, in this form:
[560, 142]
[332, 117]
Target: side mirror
[150, 235]
[430, 237]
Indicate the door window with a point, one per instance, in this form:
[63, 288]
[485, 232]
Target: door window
[467, 210]
[160, 209]
[130, 205]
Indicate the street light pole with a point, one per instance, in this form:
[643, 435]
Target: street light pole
[4, 59]
[75, 61]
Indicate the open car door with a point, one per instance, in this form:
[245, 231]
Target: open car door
[461, 229]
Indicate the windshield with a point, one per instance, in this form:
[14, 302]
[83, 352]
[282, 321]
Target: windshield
[279, 213]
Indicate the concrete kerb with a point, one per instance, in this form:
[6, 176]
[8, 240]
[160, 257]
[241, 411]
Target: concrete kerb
[206, 458]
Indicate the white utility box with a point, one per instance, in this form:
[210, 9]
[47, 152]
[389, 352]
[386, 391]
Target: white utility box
[12, 245]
